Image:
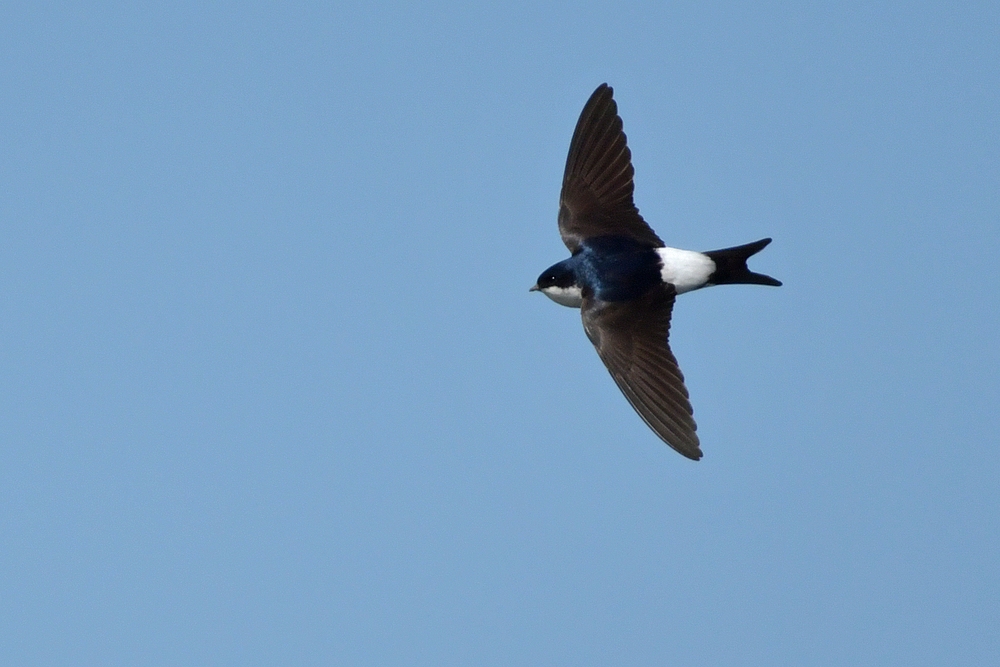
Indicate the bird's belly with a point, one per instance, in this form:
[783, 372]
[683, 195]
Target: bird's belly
[686, 270]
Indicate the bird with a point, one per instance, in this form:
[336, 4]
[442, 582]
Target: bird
[625, 280]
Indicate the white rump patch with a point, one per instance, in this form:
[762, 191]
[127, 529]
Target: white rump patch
[686, 270]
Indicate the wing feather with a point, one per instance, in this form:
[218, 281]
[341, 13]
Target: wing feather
[596, 198]
[631, 337]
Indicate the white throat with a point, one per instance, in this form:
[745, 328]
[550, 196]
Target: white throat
[571, 297]
[686, 270]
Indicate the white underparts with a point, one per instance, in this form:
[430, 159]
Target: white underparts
[571, 297]
[686, 270]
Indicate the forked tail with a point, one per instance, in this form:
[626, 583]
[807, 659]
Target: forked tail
[731, 266]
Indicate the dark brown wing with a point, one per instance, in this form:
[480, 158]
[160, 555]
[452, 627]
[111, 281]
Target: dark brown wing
[631, 339]
[596, 197]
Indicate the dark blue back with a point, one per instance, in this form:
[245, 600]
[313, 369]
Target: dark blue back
[616, 268]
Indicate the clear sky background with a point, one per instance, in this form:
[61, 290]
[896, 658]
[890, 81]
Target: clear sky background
[273, 389]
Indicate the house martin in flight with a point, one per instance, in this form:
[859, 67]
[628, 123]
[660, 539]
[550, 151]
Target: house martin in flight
[624, 279]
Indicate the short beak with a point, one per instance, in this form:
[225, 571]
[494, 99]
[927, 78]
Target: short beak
[534, 288]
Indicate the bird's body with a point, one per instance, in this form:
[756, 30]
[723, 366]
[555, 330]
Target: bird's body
[624, 279]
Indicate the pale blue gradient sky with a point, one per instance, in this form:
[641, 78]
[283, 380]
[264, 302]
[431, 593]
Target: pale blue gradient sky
[273, 390]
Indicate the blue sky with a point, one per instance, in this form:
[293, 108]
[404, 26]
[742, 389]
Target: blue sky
[273, 390]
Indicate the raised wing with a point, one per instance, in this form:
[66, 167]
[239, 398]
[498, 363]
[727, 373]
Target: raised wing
[631, 339]
[596, 198]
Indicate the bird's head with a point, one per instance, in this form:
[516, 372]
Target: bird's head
[558, 282]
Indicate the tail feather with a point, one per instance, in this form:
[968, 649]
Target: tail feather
[731, 266]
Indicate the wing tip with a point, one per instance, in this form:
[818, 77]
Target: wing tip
[693, 455]
[688, 448]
